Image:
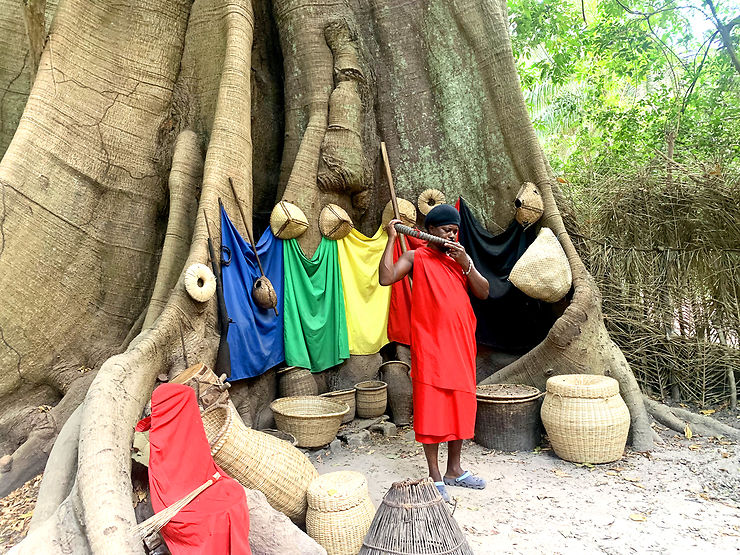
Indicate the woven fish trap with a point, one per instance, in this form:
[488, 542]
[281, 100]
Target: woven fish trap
[260, 461]
[334, 222]
[294, 381]
[372, 398]
[529, 204]
[585, 418]
[287, 221]
[339, 511]
[314, 421]
[346, 396]
[428, 199]
[396, 374]
[543, 271]
[414, 520]
[406, 211]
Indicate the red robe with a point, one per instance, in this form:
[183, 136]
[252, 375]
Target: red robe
[443, 349]
[216, 522]
[399, 314]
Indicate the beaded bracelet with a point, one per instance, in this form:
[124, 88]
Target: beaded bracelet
[470, 266]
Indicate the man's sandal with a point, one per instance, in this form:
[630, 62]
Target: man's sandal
[466, 480]
[443, 491]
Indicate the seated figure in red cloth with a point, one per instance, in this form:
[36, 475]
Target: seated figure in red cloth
[443, 344]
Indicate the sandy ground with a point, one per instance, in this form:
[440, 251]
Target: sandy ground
[681, 498]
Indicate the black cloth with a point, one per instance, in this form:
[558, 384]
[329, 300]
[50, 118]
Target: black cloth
[508, 320]
[442, 214]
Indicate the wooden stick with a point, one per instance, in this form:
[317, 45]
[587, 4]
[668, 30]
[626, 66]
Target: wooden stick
[389, 177]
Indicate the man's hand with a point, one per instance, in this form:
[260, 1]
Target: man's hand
[391, 229]
[457, 252]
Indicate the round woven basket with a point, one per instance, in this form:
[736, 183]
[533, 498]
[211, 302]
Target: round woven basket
[585, 418]
[314, 421]
[287, 221]
[506, 392]
[260, 461]
[339, 511]
[372, 398]
[529, 204]
[264, 293]
[346, 396]
[294, 381]
[334, 222]
[406, 210]
[508, 417]
[396, 374]
[429, 199]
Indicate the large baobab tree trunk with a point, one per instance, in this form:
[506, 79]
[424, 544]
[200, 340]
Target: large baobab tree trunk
[139, 113]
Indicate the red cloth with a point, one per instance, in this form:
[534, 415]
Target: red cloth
[217, 520]
[443, 348]
[399, 314]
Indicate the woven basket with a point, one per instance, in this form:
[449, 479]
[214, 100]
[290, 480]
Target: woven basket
[314, 421]
[585, 418]
[208, 388]
[294, 382]
[508, 417]
[287, 221]
[285, 436]
[543, 271]
[339, 511]
[334, 222]
[346, 396]
[264, 293]
[372, 398]
[413, 519]
[396, 374]
[429, 199]
[406, 210]
[529, 204]
[260, 461]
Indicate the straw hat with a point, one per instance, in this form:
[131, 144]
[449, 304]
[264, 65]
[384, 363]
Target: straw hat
[287, 220]
[334, 222]
[429, 199]
[406, 210]
[263, 293]
[529, 204]
[200, 283]
[543, 271]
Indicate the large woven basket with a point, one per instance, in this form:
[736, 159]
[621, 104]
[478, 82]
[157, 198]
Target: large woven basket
[543, 271]
[294, 381]
[260, 461]
[372, 398]
[585, 418]
[396, 374]
[508, 417]
[413, 519]
[287, 220]
[334, 222]
[339, 511]
[346, 396]
[314, 421]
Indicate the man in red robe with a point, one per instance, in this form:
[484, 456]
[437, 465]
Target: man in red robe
[443, 344]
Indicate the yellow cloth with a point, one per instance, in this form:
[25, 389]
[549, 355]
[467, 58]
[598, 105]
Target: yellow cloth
[366, 302]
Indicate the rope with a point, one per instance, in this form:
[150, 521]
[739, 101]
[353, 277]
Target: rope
[386, 550]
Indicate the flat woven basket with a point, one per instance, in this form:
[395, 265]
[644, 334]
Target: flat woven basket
[543, 271]
[260, 461]
[428, 199]
[287, 221]
[346, 396]
[372, 398]
[585, 418]
[334, 222]
[339, 511]
[406, 210]
[314, 421]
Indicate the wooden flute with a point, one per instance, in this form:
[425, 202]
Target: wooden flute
[406, 230]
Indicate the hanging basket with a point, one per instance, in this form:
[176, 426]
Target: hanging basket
[200, 283]
[287, 221]
[396, 374]
[543, 271]
[263, 293]
[529, 204]
[334, 222]
[429, 199]
[339, 511]
[406, 210]
[314, 421]
[413, 519]
[346, 396]
[294, 381]
[372, 398]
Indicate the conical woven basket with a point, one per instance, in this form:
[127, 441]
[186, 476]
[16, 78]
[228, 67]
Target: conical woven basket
[429, 199]
[346, 396]
[334, 222]
[406, 209]
[260, 461]
[543, 271]
[294, 381]
[413, 519]
[314, 421]
[529, 204]
[372, 398]
[585, 418]
[339, 511]
[287, 221]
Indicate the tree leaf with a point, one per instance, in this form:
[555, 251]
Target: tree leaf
[638, 517]
[687, 431]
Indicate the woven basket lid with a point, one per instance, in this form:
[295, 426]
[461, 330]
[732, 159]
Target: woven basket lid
[429, 199]
[506, 391]
[263, 293]
[529, 204]
[287, 220]
[583, 386]
[406, 210]
[334, 222]
[337, 491]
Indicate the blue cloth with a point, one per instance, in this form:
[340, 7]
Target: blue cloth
[255, 334]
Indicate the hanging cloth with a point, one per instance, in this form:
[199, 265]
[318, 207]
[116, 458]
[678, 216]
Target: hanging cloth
[255, 334]
[217, 520]
[399, 313]
[365, 300]
[508, 320]
[315, 321]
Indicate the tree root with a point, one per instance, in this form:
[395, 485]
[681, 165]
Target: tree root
[676, 419]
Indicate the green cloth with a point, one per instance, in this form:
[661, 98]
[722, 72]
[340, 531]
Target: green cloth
[313, 304]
